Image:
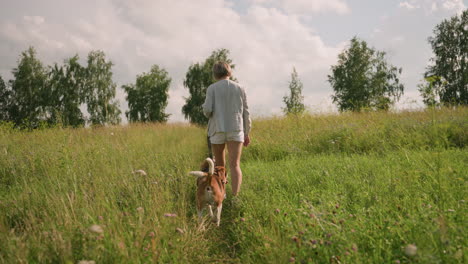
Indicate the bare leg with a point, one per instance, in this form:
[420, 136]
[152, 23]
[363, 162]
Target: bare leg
[211, 211]
[200, 215]
[219, 154]
[218, 213]
[235, 151]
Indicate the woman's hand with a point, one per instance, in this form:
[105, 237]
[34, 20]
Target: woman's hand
[246, 140]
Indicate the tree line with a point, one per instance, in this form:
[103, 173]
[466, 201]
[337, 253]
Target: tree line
[40, 96]
[362, 80]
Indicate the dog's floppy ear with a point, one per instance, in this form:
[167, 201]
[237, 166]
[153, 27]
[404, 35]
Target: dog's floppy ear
[198, 174]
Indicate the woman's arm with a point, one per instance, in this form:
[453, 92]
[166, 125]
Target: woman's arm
[208, 105]
[246, 114]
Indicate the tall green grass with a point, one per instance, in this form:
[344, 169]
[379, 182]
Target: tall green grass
[351, 188]
[353, 133]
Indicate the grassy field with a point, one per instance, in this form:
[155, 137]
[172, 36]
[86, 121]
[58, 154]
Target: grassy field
[350, 188]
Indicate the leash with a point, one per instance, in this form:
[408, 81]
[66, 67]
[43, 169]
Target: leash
[208, 143]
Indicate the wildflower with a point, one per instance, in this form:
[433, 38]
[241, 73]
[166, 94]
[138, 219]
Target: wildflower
[140, 209]
[411, 250]
[347, 253]
[151, 234]
[277, 211]
[295, 239]
[96, 229]
[86, 262]
[140, 172]
[242, 219]
[397, 261]
[292, 259]
[313, 242]
[100, 217]
[121, 245]
[354, 247]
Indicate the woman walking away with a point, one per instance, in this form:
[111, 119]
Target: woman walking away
[229, 121]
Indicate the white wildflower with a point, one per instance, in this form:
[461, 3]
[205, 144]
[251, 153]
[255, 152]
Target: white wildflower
[411, 250]
[140, 172]
[86, 262]
[96, 229]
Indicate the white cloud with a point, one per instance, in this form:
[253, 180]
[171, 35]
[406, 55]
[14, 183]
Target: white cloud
[315, 6]
[431, 6]
[397, 40]
[12, 32]
[454, 5]
[407, 5]
[307, 7]
[34, 19]
[267, 38]
[265, 44]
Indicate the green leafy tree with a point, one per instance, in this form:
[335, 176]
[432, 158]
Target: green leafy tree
[295, 101]
[29, 91]
[66, 93]
[363, 80]
[197, 79]
[430, 90]
[5, 98]
[449, 82]
[99, 90]
[147, 99]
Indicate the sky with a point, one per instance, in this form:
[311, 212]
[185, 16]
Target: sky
[266, 39]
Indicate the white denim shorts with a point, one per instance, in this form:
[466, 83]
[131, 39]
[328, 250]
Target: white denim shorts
[221, 137]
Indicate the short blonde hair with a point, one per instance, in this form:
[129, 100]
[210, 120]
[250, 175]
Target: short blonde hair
[221, 69]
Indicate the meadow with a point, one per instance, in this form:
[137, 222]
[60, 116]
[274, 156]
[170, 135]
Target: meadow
[348, 188]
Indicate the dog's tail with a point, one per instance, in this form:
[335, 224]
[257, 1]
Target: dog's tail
[200, 174]
[210, 165]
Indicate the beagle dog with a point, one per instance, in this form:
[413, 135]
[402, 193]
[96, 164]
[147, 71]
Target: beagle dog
[211, 189]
